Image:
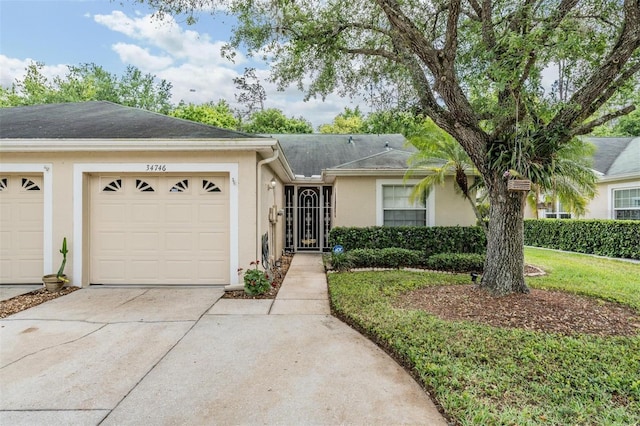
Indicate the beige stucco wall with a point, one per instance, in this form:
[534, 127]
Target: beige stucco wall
[601, 207]
[271, 198]
[62, 175]
[356, 203]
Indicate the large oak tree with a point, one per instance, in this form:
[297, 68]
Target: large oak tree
[476, 67]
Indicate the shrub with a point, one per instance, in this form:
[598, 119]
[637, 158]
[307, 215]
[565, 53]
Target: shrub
[429, 240]
[613, 238]
[391, 257]
[340, 261]
[256, 281]
[457, 262]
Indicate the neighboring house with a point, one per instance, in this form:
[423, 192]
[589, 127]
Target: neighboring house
[145, 198]
[616, 162]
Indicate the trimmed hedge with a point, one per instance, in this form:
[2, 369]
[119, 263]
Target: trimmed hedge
[402, 258]
[612, 238]
[386, 258]
[428, 240]
[457, 262]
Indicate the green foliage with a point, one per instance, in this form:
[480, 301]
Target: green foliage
[272, 120]
[428, 240]
[219, 114]
[349, 121]
[475, 68]
[483, 375]
[613, 238]
[614, 280]
[341, 261]
[389, 257]
[456, 262]
[256, 281]
[64, 252]
[89, 82]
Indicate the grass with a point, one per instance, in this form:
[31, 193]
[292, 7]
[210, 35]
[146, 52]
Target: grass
[607, 279]
[482, 375]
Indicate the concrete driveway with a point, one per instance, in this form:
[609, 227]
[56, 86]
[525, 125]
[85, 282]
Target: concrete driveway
[177, 356]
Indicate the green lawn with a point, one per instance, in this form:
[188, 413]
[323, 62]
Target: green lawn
[489, 376]
[593, 276]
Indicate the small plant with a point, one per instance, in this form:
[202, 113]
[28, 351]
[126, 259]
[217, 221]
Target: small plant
[256, 282]
[64, 252]
[340, 261]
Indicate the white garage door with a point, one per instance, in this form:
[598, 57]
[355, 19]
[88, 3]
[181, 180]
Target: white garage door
[21, 227]
[159, 229]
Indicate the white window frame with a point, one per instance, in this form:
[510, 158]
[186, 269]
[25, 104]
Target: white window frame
[612, 200]
[429, 204]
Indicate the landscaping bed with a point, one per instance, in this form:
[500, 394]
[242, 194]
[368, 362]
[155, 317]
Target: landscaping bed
[567, 353]
[31, 299]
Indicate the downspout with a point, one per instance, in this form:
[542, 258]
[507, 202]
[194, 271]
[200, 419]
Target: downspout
[259, 200]
[258, 204]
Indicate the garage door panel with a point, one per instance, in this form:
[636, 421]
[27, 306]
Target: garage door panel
[142, 270]
[147, 241]
[213, 214]
[144, 213]
[30, 241]
[177, 234]
[22, 226]
[113, 269]
[177, 213]
[111, 241]
[180, 242]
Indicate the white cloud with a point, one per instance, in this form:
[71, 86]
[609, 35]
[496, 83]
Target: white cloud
[192, 62]
[13, 68]
[166, 35]
[141, 58]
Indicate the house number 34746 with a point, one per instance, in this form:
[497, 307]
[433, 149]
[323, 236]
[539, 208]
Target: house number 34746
[156, 168]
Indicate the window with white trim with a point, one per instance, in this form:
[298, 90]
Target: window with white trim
[398, 210]
[626, 204]
[557, 211]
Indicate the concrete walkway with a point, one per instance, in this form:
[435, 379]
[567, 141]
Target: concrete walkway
[178, 356]
[9, 291]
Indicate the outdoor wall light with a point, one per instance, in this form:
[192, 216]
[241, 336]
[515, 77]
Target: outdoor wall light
[272, 184]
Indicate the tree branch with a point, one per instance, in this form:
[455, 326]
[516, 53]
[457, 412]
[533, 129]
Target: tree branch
[588, 127]
[599, 87]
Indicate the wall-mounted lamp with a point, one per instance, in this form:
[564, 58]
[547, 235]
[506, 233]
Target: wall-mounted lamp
[272, 184]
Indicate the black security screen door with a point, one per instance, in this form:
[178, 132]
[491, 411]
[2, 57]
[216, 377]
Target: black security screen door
[307, 218]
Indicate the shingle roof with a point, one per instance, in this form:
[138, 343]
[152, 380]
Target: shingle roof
[101, 120]
[310, 154]
[611, 156]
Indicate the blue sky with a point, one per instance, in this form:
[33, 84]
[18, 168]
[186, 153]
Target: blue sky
[120, 33]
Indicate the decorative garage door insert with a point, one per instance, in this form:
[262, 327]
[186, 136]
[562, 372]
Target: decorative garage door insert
[159, 230]
[21, 228]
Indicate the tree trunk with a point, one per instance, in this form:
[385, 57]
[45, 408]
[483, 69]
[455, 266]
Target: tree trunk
[504, 266]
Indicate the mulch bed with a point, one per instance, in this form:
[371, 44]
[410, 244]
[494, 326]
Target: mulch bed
[275, 284]
[31, 299]
[540, 310]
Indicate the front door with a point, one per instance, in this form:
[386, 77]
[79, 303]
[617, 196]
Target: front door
[308, 217]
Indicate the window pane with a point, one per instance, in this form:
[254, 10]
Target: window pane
[405, 218]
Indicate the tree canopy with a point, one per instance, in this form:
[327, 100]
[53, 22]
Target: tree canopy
[215, 114]
[475, 67]
[272, 120]
[89, 82]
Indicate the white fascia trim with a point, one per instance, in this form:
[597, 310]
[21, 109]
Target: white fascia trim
[116, 145]
[47, 182]
[79, 170]
[431, 199]
[625, 176]
[612, 187]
